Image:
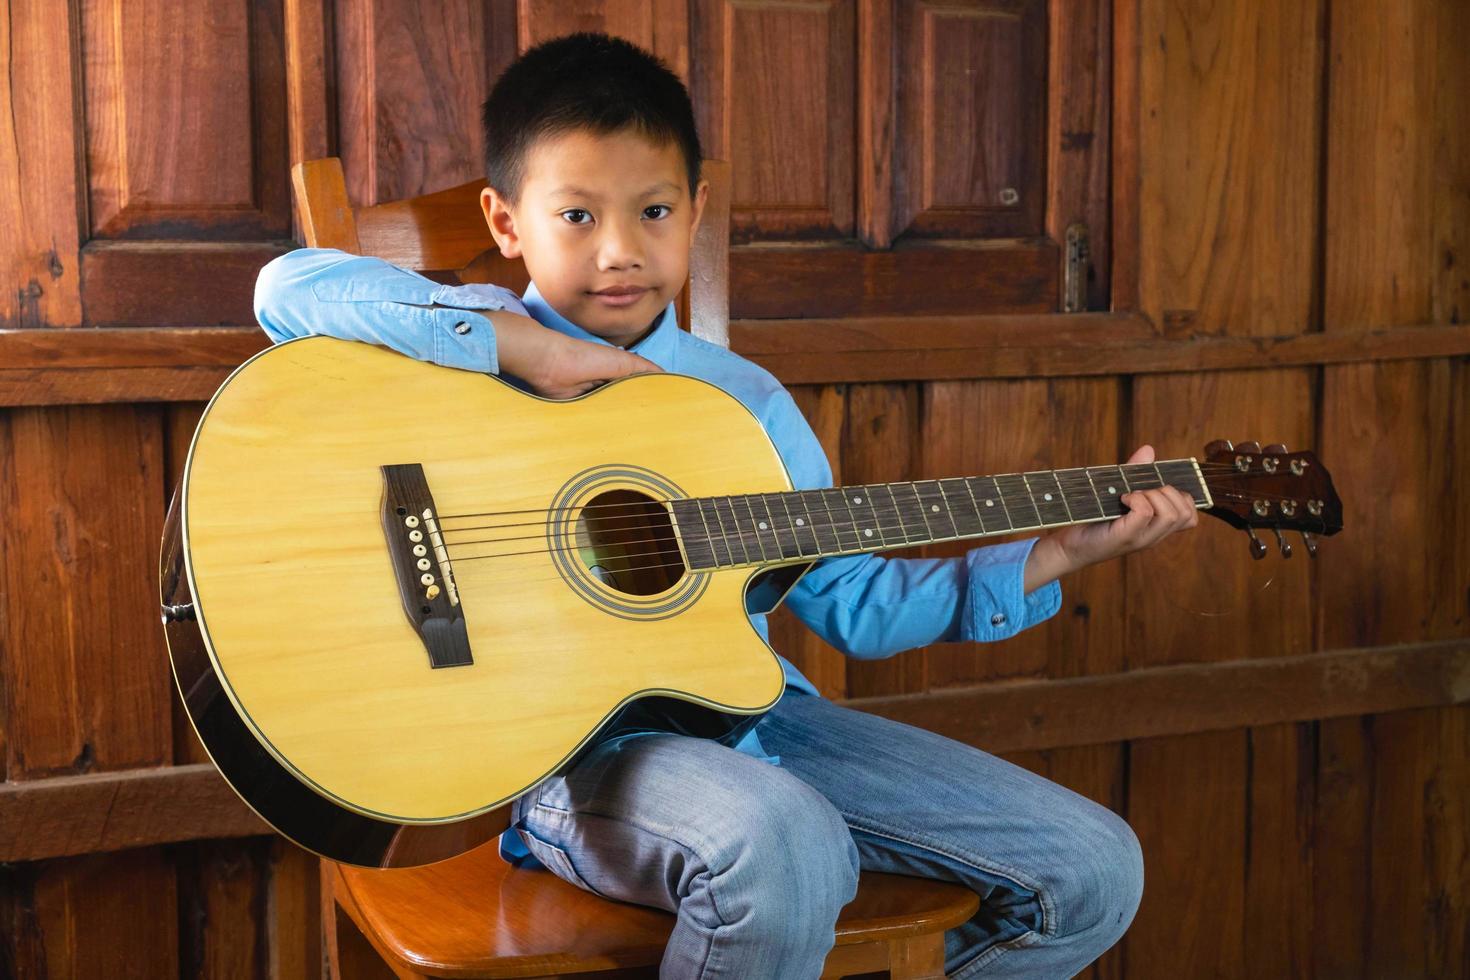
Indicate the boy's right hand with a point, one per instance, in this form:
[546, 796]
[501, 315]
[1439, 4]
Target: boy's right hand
[555, 365]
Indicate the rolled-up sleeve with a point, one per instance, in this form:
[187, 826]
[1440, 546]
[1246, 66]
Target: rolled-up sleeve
[323, 291]
[870, 606]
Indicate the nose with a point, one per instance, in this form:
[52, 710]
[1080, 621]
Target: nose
[621, 245]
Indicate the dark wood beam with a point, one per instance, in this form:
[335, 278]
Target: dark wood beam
[66, 815]
[91, 365]
[1162, 701]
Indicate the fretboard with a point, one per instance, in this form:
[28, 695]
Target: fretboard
[775, 528]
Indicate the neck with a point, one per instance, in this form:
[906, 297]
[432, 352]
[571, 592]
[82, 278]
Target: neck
[779, 528]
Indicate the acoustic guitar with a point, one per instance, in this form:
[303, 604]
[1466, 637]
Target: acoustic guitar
[397, 595]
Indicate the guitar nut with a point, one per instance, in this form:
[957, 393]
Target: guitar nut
[1268, 464]
[1288, 507]
[1314, 507]
[1298, 467]
[1261, 508]
[1243, 463]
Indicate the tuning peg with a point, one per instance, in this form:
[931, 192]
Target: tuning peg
[1282, 543]
[1311, 544]
[1275, 447]
[1248, 447]
[1258, 547]
[1218, 447]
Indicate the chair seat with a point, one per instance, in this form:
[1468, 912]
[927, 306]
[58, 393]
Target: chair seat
[477, 916]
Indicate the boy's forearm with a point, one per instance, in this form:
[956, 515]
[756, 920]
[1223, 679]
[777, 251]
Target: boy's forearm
[1047, 561]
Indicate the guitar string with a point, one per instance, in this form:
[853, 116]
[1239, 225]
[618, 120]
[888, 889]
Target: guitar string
[743, 526]
[640, 508]
[743, 540]
[1078, 476]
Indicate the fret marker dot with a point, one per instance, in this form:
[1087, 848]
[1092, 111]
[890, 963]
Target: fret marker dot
[934, 508]
[857, 500]
[800, 522]
[868, 531]
[1047, 496]
[763, 525]
[990, 503]
[1112, 489]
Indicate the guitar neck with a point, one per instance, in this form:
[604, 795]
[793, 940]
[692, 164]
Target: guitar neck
[777, 528]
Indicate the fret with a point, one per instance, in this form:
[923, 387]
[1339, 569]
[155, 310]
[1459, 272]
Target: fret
[1141, 476]
[849, 524]
[788, 549]
[911, 507]
[821, 522]
[903, 527]
[963, 510]
[798, 526]
[889, 524]
[1085, 503]
[719, 545]
[1113, 485]
[698, 550]
[1047, 494]
[729, 507]
[991, 504]
[760, 529]
[866, 523]
[1018, 503]
[935, 506]
[1181, 473]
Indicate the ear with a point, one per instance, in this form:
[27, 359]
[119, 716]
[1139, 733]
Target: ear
[502, 222]
[701, 195]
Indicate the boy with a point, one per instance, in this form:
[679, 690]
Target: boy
[593, 164]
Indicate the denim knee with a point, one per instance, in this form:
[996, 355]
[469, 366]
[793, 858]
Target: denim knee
[790, 872]
[1099, 879]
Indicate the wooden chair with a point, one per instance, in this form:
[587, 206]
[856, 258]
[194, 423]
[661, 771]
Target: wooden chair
[474, 915]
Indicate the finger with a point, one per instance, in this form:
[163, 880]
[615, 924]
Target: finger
[1143, 454]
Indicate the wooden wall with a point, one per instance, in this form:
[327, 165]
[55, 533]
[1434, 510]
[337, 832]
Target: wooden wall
[1279, 197]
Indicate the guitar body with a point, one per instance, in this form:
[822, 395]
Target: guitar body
[302, 667]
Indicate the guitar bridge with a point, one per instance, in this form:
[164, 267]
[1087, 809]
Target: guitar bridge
[421, 566]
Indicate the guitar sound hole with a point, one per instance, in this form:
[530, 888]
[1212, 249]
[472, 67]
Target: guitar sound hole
[625, 539]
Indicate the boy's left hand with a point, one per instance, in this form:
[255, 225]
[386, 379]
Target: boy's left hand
[1152, 516]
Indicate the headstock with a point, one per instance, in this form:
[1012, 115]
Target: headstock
[1271, 488]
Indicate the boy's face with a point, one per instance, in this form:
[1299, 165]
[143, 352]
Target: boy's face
[600, 214]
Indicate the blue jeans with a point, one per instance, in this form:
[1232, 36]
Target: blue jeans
[757, 860]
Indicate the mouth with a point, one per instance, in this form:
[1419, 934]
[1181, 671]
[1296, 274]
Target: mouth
[620, 295]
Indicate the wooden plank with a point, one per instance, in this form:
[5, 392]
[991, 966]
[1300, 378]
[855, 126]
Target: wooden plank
[1225, 87]
[1124, 139]
[84, 672]
[110, 811]
[1185, 801]
[40, 189]
[293, 912]
[818, 280]
[142, 364]
[1162, 701]
[825, 408]
[1281, 772]
[108, 915]
[69, 814]
[1198, 595]
[971, 428]
[222, 890]
[879, 445]
[1079, 88]
[160, 284]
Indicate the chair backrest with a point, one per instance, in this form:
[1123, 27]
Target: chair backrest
[444, 234]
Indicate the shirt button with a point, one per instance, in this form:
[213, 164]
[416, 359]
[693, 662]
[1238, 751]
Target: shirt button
[998, 619]
[461, 327]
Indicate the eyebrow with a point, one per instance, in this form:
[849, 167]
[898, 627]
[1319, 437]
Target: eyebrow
[569, 189]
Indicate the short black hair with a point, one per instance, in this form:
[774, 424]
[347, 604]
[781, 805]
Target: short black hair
[583, 81]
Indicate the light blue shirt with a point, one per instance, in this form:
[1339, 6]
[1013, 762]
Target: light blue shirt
[867, 606]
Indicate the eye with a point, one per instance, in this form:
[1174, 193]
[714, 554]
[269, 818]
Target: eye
[571, 212]
[655, 207]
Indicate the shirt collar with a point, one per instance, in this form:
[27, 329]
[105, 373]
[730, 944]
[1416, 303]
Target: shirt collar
[657, 345]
